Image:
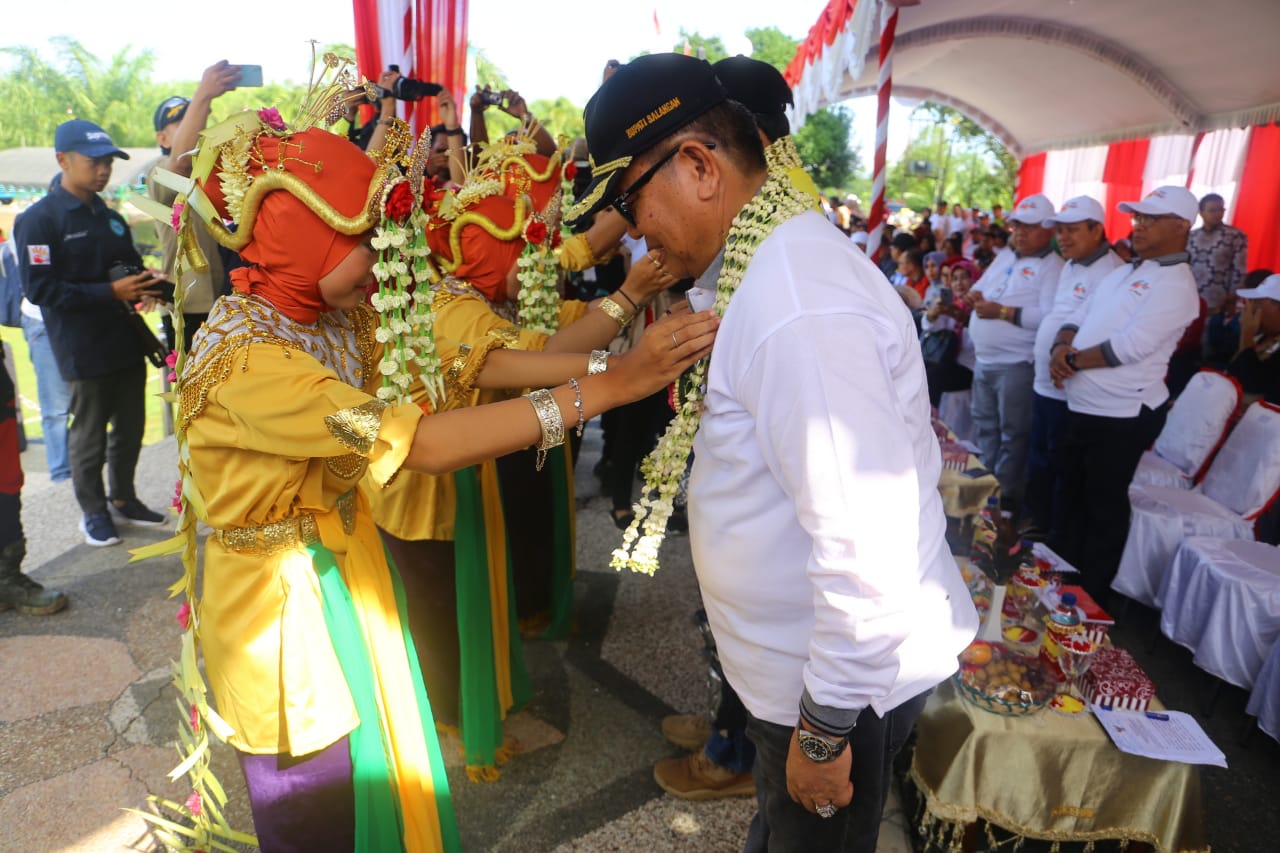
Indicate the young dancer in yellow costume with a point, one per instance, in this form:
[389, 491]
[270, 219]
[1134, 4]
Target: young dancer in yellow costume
[285, 402]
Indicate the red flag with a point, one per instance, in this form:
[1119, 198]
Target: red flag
[688, 48]
[657, 28]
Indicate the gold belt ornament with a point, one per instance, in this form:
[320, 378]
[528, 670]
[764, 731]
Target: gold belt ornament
[295, 531]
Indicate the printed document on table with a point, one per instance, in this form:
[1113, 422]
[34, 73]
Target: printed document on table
[1056, 563]
[1165, 735]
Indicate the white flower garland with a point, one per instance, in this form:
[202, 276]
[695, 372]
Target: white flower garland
[777, 202]
[539, 273]
[405, 319]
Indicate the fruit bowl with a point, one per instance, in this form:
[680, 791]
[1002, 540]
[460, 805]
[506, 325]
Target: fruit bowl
[999, 680]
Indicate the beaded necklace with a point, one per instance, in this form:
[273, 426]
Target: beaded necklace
[776, 202]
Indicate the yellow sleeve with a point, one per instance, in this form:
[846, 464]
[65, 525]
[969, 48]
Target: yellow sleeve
[287, 404]
[571, 311]
[468, 320]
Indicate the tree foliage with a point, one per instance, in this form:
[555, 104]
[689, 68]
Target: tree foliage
[970, 165]
[825, 148]
[711, 48]
[772, 45]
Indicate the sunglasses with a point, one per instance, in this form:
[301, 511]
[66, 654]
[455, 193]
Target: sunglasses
[623, 201]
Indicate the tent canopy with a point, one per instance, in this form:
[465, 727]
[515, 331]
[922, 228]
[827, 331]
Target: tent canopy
[1051, 75]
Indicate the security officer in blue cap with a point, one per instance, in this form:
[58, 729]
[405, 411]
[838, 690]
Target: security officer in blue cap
[80, 266]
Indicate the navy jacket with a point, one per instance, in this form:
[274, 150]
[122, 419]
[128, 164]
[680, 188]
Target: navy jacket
[65, 248]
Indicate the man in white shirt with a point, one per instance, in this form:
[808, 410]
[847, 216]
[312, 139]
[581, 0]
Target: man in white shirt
[1009, 301]
[1082, 239]
[815, 522]
[1111, 358]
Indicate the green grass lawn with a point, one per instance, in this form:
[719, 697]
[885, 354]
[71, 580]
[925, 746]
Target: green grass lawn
[29, 403]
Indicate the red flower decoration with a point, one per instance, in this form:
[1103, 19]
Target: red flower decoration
[400, 202]
[556, 239]
[536, 231]
[184, 615]
[271, 117]
[570, 171]
[194, 804]
[195, 719]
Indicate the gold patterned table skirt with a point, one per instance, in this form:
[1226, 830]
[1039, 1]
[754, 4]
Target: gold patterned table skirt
[1050, 777]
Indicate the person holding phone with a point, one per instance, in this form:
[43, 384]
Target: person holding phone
[67, 243]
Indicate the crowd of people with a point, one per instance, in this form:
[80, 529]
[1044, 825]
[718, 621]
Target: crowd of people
[384, 357]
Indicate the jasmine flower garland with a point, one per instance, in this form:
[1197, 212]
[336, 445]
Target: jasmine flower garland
[776, 202]
[539, 272]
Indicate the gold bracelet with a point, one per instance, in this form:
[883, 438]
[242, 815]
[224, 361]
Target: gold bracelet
[577, 404]
[615, 312]
[549, 419]
[598, 362]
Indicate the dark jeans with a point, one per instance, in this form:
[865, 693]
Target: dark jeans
[116, 400]
[302, 804]
[636, 427]
[431, 598]
[946, 376]
[782, 825]
[11, 476]
[1048, 423]
[1096, 461]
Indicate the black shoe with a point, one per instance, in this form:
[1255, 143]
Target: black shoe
[622, 522]
[99, 530]
[679, 521]
[133, 511]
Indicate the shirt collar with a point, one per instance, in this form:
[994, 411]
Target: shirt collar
[1043, 253]
[71, 202]
[711, 276]
[1164, 260]
[1095, 257]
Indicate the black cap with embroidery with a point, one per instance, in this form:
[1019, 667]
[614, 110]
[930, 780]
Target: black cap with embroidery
[756, 85]
[644, 102]
[173, 109]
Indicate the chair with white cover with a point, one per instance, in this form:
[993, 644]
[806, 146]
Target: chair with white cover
[1196, 427]
[1243, 480]
[1264, 701]
[1221, 600]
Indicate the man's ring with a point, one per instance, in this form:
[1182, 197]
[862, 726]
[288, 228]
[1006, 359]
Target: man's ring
[657, 264]
[674, 343]
[826, 810]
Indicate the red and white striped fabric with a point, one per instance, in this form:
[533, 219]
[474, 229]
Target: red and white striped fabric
[426, 38]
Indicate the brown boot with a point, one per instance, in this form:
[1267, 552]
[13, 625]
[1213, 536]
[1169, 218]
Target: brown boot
[18, 590]
[687, 731]
[695, 777]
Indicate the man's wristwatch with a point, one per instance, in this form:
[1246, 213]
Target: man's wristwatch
[1071, 361]
[820, 748]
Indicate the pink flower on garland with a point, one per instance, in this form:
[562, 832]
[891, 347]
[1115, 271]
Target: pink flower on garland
[184, 615]
[271, 118]
[171, 359]
[194, 804]
[176, 219]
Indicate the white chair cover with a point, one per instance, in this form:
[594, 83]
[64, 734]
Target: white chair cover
[1197, 422]
[1264, 701]
[1221, 600]
[1155, 470]
[953, 410]
[1243, 478]
[1245, 475]
[1161, 518]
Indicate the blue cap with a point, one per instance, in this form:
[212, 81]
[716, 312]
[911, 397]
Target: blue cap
[85, 137]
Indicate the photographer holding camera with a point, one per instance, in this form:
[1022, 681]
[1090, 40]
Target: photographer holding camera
[68, 242]
[510, 102]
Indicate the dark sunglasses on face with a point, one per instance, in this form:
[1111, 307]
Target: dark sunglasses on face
[623, 201]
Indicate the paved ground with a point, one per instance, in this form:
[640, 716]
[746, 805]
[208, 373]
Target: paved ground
[87, 720]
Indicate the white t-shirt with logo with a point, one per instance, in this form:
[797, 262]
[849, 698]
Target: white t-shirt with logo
[1028, 284]
[1138, 313]
[1075, 284]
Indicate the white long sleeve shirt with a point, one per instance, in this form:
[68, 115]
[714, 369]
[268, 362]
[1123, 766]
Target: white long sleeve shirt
[1025, 284]
[1137, 314]
[815, 521]
[1077, 281]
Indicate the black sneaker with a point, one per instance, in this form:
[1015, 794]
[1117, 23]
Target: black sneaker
[133, 511]
[99, 529]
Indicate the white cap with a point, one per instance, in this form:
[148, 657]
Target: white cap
[1162, 200]
[1078, 209]
[859, 237]
[1032, 210]
[1269, 289]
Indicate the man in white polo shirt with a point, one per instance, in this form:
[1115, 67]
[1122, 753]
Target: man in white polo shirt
[815, 522]
[1111, 358]
[1083, 242]
[1009, 301]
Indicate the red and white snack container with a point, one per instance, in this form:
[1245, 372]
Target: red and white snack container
[1115, 679]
